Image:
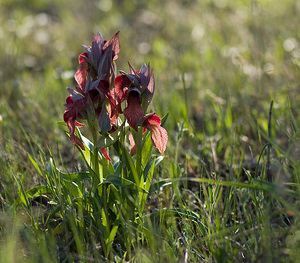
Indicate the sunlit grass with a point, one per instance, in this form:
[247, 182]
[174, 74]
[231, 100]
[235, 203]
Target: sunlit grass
[218, 65]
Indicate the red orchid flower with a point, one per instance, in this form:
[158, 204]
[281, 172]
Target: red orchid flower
[81, 73]
[100, 56]
[159, 135]
[94, 78]
[97, 60]
[137, 88]
[74, 105]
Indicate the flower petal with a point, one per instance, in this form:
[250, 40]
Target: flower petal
[145, 76]
[78, 124]
[148, 93]
[159, 135]
[132, 143]
[131, 70]
[105, 154]
[96, 49]
[114, 108]
[81, 74]
[115, 44]
[105, 64]
[73, 138]
[73, 109]
[121, 82]
[133, 111]
[152, 120]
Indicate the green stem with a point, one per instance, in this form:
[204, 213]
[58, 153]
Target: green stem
[96, 158]
[99, 174]
[139, 146]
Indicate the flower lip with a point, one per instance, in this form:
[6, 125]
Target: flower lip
[134, 92]
[133, 111]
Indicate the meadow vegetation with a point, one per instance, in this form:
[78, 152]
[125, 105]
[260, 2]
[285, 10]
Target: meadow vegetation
[227, 188]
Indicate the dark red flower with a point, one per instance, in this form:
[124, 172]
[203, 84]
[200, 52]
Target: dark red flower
[81, 74]
[137, 88]
[75, 104]
[159, 135]
[100, 56]
[94, 78]
[121, 84]
[133, 111]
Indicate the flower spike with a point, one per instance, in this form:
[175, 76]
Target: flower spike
[99, 95]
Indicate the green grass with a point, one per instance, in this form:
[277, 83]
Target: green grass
[218, 65]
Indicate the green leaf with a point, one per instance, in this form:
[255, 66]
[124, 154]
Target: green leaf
[183, 213]
[37, 191]
[149, 164]
[107, 139]
[71, 183]
[72, 189]
[143, 196]
[88, 151]
[75, 176]
[117, 167]
[86, 142]
[181, 129]
[147, 150]
[228, 117]
[52, 213]
[62, 123]
[22, 195]
[87, 154]
[112, 234]
[256, 185]
[161, 184]
[35, 165]
[121, 182]
[130, 165]
[164, 119]
[149, 176]
[175, 170]
[104, 120]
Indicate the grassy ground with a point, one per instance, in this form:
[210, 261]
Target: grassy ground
[218, 66]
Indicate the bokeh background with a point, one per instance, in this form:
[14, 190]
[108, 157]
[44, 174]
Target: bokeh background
[217, 63]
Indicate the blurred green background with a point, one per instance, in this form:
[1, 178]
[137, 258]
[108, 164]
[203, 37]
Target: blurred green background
[217, 65]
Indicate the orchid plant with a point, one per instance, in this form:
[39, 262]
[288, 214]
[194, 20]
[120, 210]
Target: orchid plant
[114, 110]
[100, 94]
